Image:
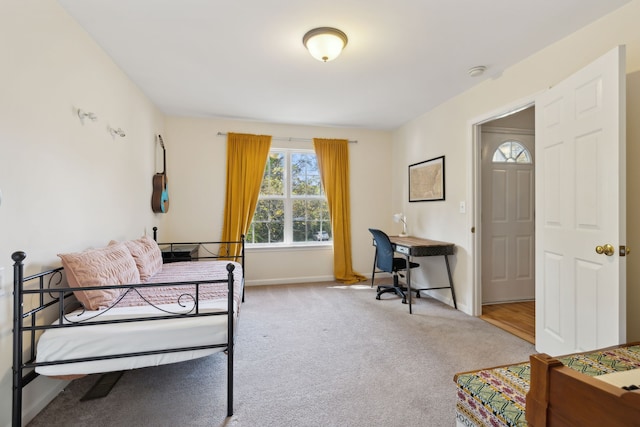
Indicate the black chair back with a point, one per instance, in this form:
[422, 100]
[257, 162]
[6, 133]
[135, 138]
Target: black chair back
[384, 250]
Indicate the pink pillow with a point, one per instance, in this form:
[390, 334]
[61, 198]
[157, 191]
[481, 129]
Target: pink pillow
[111, 265]
[147, 255]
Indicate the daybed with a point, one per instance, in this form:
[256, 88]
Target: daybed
[546, 391]
[119, 307]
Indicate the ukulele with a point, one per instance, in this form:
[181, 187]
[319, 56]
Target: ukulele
[160, 196]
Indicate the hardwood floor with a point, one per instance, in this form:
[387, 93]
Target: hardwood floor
[517, 318]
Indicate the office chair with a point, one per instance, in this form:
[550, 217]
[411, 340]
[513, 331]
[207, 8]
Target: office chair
[385, 261]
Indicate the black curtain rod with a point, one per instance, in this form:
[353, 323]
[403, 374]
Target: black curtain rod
[291, 139]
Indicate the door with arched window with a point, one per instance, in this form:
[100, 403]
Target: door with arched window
[508, 223]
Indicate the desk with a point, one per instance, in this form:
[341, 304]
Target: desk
[414, 246]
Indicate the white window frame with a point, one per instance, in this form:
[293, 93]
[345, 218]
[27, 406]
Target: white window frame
[288, 199]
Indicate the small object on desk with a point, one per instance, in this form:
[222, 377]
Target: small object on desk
[175, 253]
[400, 217]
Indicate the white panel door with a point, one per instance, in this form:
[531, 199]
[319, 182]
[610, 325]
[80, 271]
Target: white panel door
[580, 205]
[508, 237]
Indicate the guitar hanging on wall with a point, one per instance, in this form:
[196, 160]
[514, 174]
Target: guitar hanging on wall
[160, 196]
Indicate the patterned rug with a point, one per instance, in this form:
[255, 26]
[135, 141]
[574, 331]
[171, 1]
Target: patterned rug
[496, 397]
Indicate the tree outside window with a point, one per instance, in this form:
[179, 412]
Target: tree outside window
[292, 207]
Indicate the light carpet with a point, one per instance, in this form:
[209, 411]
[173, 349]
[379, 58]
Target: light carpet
[319, 354]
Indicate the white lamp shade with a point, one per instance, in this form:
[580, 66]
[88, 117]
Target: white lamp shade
[398, 217]
[325, 44]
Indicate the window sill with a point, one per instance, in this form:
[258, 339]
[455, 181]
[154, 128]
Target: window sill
[288, 247]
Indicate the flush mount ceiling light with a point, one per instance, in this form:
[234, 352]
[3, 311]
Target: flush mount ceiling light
[325, 43]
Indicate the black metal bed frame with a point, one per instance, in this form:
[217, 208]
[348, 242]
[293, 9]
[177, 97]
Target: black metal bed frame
[42, 284]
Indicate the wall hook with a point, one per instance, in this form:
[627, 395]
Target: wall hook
[86, 115]
[119, 132]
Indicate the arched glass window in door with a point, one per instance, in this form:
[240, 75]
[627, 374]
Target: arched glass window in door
[512, 152]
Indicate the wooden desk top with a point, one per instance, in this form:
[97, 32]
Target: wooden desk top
[416, 246]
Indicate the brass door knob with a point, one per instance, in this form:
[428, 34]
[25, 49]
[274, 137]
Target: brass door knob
[607, 249]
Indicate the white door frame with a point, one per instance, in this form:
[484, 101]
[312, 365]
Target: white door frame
[474, 189]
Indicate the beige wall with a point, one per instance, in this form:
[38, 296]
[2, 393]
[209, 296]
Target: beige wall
[196, 172]
[65, 185]
[446, 130]
[68, 185]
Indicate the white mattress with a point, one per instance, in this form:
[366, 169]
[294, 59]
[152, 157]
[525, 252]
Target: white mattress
[109, 339]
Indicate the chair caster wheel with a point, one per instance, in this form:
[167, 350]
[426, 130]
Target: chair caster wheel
[378, 297]
[404, 301]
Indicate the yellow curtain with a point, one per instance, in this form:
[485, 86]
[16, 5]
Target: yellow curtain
[246, 158]
[333, 163]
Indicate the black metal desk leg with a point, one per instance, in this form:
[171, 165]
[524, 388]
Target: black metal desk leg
[375, 259]
[453, 292]
[409, 281]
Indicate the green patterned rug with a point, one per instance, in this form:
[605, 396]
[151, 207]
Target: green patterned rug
[496, 397]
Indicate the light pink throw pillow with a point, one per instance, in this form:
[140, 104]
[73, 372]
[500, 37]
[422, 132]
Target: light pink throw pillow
[111, 265]
[147, 255]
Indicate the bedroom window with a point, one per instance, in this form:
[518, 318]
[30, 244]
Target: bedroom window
[292, 207]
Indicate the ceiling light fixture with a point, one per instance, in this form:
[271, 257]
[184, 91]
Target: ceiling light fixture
[325, 43]
[477, 71]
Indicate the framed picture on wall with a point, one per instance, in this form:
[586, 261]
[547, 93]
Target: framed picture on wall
[426, 180]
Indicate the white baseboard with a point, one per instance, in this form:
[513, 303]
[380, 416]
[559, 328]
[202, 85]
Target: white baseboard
[38, 394]
[289, 280]
[446, 299]
[438, 295]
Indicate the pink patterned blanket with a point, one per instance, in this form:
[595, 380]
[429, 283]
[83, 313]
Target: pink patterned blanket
[185, 272]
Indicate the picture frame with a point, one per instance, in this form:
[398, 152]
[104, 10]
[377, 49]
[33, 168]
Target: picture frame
[426, 180]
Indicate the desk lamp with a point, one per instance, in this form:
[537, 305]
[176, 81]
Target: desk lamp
[400, 217]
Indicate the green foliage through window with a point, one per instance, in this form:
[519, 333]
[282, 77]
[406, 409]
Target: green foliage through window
[292, 207]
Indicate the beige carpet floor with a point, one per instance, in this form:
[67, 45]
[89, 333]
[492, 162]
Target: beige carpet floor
[319, 354]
